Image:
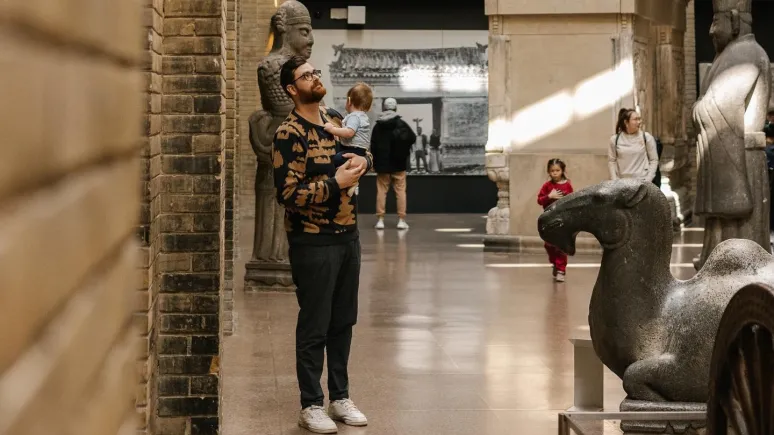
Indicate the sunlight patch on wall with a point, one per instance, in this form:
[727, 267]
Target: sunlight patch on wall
[555, 112]
[457, 79]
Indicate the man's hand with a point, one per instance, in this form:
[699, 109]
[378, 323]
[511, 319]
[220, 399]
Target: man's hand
[356, 160]
[348, 174]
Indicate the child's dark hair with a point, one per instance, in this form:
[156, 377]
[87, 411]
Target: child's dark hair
[557, 162]
[623, 116]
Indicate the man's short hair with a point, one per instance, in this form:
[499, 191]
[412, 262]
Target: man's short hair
[770, 112]
[288, 71]
[361, 96]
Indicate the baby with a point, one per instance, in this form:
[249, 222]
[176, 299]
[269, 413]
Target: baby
[355, 132]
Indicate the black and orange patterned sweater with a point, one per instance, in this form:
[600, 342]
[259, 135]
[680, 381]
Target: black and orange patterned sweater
[317, 211]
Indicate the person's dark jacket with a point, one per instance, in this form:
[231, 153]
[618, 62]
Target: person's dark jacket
[391, 141]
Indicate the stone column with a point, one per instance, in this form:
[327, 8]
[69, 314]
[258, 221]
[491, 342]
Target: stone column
[152, 72]
[498, 145]
[229, 196]
[558, 74]
[187, 208]
[687, 172]
[670, 120]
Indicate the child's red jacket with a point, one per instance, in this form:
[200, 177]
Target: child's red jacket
[544, 200]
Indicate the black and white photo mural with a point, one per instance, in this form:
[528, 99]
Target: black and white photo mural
[439, 79]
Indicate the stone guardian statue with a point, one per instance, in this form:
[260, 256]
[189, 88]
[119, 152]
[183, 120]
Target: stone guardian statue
[732, 187]
[291, 30]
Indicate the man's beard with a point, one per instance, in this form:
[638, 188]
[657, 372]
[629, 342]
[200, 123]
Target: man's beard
[315, 95]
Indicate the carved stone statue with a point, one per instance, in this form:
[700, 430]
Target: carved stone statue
[732, 182]
[654, 331]
[292, 32]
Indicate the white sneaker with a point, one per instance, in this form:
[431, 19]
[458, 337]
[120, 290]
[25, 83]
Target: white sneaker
[402, 225]
[346, 412]
[379, 224]
[314, 419]
[559, 277]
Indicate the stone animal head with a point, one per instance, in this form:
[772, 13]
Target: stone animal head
[604, 210]
[294, 24]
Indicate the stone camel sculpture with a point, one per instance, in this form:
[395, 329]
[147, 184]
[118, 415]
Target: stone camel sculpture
[654, 331]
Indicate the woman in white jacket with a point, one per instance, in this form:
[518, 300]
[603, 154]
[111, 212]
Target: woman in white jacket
[632, 152]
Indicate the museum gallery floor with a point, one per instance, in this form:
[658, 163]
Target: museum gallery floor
[450, 340]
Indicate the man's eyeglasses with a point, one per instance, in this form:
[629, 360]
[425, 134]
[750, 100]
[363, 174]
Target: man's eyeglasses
[308, 76]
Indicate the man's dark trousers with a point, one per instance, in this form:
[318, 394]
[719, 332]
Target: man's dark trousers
[327, 279]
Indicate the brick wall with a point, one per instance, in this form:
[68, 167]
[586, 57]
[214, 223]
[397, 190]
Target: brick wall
[253, 34]
[185, 203]
[152, 16]
[229, 199]
[69, 201]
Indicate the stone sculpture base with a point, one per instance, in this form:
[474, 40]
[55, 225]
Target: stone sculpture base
[268, 277]
[662, 427]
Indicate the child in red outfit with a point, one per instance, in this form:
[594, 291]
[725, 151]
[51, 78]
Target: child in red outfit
[558, 187]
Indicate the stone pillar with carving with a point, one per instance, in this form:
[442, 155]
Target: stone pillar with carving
[669, 119]
[498, 142]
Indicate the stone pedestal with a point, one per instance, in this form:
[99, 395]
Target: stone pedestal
[558, 75]
[661, 427]
[588, 374]
[265, 276]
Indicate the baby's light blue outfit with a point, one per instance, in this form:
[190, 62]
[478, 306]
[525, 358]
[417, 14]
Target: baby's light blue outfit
[359, 122]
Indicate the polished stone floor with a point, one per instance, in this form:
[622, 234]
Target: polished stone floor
[450, 339]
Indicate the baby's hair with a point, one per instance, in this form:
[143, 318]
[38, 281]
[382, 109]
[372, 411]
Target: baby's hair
[557, 162]
[361, 96]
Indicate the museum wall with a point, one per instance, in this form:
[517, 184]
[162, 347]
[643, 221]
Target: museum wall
[557, 80]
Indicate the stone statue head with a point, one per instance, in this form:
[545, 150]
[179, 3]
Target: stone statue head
[732, 19]
[294, 27]
[607, 210]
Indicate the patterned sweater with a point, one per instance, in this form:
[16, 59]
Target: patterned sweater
[317, 211]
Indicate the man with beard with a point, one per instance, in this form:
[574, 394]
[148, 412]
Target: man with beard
[321, 225]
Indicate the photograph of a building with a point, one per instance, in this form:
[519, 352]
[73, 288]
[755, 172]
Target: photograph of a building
[439, 79]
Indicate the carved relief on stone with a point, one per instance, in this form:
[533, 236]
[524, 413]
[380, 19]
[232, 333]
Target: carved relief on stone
[643, 74]
[498, 170]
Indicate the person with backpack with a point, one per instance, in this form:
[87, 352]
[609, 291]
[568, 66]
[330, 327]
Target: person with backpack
[391, 141]
[632, 153]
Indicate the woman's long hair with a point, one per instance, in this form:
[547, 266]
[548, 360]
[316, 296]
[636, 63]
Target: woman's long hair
[623, 116]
